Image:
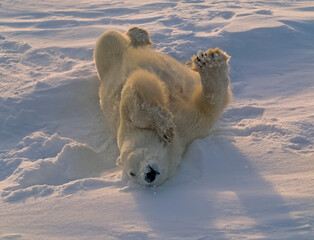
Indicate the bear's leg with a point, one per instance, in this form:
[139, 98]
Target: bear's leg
[144, 104]
[213, 68]
[139, 37]
[109, 51]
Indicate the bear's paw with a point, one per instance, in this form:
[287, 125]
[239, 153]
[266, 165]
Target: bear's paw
[209, 60]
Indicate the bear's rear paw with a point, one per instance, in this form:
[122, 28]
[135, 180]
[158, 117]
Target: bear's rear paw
[209, 60]
[139, 37]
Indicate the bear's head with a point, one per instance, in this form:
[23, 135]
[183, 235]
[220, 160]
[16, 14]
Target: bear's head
[146, 159]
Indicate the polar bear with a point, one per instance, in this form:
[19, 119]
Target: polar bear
[155, 105]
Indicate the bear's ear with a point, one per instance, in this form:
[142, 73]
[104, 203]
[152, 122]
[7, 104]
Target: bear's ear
[119, 162]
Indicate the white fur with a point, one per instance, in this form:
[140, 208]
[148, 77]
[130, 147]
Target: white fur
[156, 105]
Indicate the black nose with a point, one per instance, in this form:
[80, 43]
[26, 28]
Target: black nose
[150, 176]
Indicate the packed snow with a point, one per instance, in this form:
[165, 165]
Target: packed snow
[251, 178]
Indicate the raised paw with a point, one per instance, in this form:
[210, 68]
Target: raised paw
[139, 37]
[212, 58]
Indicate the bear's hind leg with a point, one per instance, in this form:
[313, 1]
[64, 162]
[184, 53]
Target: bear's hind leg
[109, 51]
[139, 37]
[144, 104]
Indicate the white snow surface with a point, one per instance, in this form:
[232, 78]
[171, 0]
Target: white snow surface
[251, 178]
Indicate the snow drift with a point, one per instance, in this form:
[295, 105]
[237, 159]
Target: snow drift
[252, 178]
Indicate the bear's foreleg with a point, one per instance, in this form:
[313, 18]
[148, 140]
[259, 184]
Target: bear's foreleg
[213, 68]
[144, 103]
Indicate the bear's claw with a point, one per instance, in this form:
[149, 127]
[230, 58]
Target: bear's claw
[166, 134]
[212, 58]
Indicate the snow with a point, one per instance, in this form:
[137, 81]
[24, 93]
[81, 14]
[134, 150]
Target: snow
[251, 178]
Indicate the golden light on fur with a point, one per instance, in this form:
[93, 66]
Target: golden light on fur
[155, 104]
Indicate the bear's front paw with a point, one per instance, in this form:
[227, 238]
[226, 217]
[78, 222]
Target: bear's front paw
[166, 131]
[209, 60]
[167, 135]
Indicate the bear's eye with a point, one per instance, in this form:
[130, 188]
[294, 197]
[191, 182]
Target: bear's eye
[132, 174]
